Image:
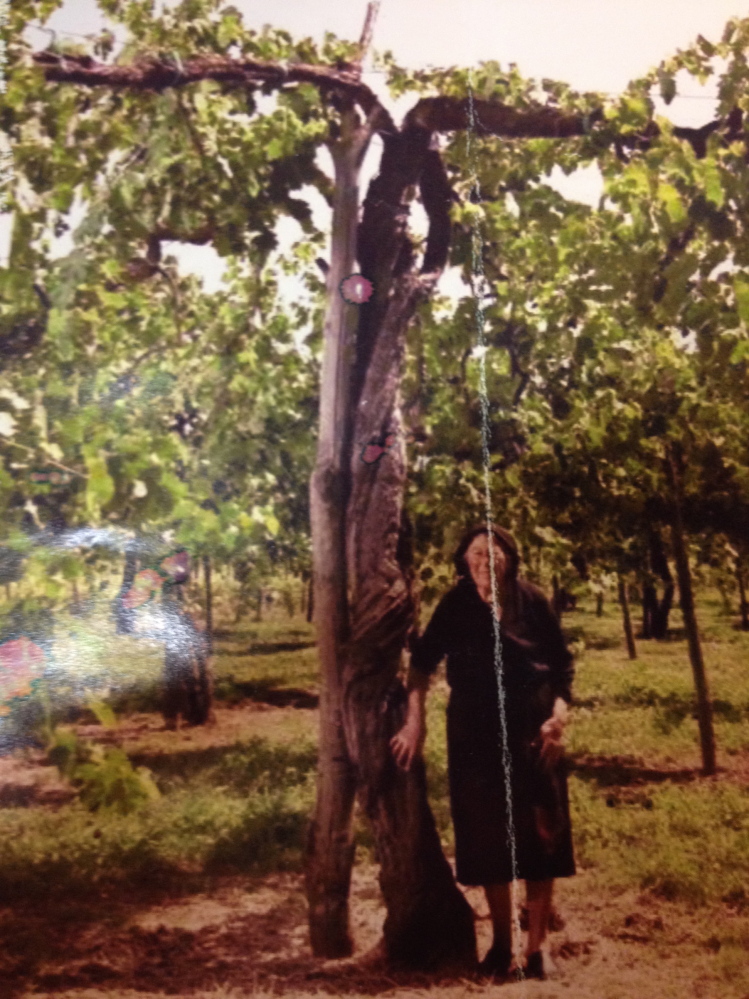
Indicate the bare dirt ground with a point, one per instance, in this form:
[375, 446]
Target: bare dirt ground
[241, 936]
[248, 938]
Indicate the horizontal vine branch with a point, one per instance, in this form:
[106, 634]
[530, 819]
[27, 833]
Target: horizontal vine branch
[160, 74]
[452, 114]
[430, 114]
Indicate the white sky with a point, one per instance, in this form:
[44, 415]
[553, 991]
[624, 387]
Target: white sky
[591, 44]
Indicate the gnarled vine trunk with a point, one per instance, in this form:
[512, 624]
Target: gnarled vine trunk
[362, 589]
[429, 923]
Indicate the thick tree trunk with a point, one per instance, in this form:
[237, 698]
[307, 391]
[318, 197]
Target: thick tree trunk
[363, 606]
[743, 605]
[429, 922]
[628, 631]
[208, 582]
[330, 848]
[686, 600]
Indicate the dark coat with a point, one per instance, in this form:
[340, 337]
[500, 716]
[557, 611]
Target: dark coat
[536, 668]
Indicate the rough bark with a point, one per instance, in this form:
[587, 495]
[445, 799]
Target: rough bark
[686, 601]
[627, 620]
[330, 847]
[429, 923]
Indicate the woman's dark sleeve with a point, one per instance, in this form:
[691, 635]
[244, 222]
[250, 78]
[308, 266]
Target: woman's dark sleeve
[432, 646]
[556, 654]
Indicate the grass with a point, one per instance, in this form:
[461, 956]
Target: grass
[241, 808]
[647, 819]
[643, 818]
[270, 656]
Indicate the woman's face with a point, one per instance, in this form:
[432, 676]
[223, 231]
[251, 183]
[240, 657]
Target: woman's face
[477, 559]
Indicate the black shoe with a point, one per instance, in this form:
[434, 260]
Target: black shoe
[534, 966]
[497, 963]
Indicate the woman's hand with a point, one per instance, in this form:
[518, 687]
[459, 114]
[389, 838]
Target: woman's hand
[406, 744]
[551, 734]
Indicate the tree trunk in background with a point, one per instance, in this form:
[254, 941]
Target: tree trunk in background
[556, 597]
[599, 605]
[76, 601]
[330, 846]
[661, 609]
[124, 617]
[628, 632]
[207, 579]
[310, 601]
[648, 599]
[188, 678]
[686, 600]
[743, 606]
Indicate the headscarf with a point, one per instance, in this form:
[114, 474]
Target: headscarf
[505, 541]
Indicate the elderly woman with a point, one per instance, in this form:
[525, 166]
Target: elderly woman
[491, 767]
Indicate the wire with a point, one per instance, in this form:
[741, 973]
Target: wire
[69, 34]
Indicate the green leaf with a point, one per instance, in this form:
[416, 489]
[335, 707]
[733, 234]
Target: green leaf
[99, 485]
[102, 712]
[713, 185]
[667, 86]
[671, 198]
[740, 352]
[741, 291]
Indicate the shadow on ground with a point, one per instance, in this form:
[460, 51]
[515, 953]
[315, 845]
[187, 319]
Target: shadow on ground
[265, 691]
[265, 649]
[612, 771]
[236, 765]
[233, 937]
